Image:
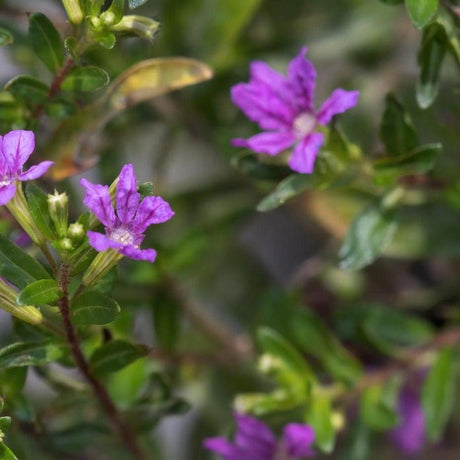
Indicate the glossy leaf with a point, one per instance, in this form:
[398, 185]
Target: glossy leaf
[438, 394]
[17, 266]
[5, 37]
[28, 89]
[88, 78]
[6, 454]
[38, 208]
[320, 418]
[397, 131]
[115, 355]
[369, 234]
[92, 307]
[154, 77]
[40, 292]
[30, 354]
[46, 41]
[422, 11]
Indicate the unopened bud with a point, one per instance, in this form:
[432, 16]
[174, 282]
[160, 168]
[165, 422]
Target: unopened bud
[107, 18]
[141, 26]
[58, 206]
[73, 10]
[76, 232]
[100, 266]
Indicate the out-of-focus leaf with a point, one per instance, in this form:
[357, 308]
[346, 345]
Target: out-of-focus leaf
[166, 322]
[358, 445]
[115, 355]
[397, 131]
[17, 266]
[92, 307]
[378, 406]
[419, 161]
[5, 37]
[277, 346]
[30, 354]
[6, 454]
[251, 165]
[38, 207]
[438, 394]
[368, 236]
[311, 335]
[74, 144]
[154, 77]
[431, 56]
[320, 418]
[393, 2]
[12, 380]
[46, 41]
[28, 89]
[422, 11]
[88, 78]
[40, 292]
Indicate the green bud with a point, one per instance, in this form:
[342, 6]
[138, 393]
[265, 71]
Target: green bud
[29, 314]
[73, 10]
[95, 22]
[107, 18]
[19, 208]
[141, 26]
[66, 244]
[76, 232]
[100, 266]
[58, 206]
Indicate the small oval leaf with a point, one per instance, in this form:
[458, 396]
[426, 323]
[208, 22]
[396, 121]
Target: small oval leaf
[89, 78]
[422, 11]
[28, 89]
[92, 307]
[29, 354]
[40, 293]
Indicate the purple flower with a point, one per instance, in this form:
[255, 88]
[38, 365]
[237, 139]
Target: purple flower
[15, 149]
[284, 109]
[410, 434]
[255, 441]
[124, 230]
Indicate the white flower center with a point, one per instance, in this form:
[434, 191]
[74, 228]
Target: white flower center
[122, 235]
[304, 124]
[4, 181]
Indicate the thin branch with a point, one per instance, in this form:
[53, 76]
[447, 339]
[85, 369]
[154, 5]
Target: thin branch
[99, 390]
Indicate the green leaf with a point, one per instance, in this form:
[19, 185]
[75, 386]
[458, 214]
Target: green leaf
[12, 380]
[17, 266]
[92, 307]
[5, 37]
[89, 78]
[369, 234]
[115, 355]
[249, 164]
[28, 89]
[29, 354]
[378, 406]
[46, 41]
[390, 330]
[358, 445]
[320, 418]
[393, 2]
[397, 131]
[430, 58]
[311, 335]
[5, 423]
[6, 454]
[38, 207]
[277, 346]
[419, 161]
[438, 394]
[422, 11]
[40, 292]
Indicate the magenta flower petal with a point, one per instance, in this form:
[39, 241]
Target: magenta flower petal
[101, 242]
[98, 200]
[261, 105]
[305, 152]
[301, 76]
[226, 449]
[152, 210]
[254, 436]
[36, 171]
[127, 196]
[298, 440]
[6, 193]
[339, 101]
[132, 252]
[268, 142]
[17, 148]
